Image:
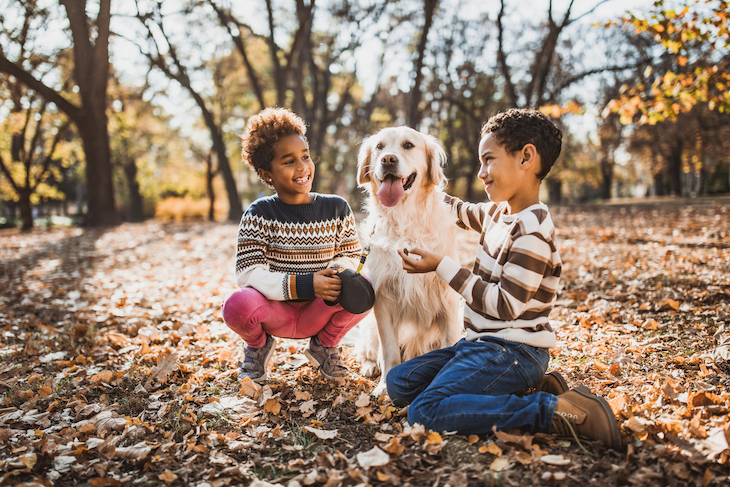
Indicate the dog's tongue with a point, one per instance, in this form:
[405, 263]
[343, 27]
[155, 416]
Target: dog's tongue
[391, 191]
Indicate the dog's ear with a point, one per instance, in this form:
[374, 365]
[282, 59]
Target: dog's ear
[436, 160]
[363, 162]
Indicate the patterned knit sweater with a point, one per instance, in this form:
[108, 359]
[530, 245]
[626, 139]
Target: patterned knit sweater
[281, 246]
[514, 283]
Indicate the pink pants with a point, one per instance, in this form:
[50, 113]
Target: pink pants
[252, 316]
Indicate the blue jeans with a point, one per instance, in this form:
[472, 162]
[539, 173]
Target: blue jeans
[470, 386]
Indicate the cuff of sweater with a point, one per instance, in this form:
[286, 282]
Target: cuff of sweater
[447, 269]
[301, 287]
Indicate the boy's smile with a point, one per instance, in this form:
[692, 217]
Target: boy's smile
[508, 177]
[292, 170]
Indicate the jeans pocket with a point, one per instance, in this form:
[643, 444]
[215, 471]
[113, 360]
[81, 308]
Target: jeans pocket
[533, 363]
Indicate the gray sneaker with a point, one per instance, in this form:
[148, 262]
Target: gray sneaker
[256, 361]
[326, 358]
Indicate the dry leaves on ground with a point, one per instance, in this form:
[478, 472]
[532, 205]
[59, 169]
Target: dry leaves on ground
[117, 368]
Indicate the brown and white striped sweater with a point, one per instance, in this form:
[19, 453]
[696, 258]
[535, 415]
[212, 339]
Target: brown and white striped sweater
[514, 283]
[281, 246]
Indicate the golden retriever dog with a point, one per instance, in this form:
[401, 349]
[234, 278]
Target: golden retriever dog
[402, 170]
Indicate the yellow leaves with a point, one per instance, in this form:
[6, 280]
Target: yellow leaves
[472, 439]
[492, 449]
[433, 438]
[394, 447]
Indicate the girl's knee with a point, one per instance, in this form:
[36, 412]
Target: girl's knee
[241, 304]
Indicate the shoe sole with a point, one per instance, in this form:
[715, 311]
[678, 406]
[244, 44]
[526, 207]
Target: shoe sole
[615, 433]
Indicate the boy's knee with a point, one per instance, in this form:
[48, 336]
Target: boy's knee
[418, 413]
[397, 391]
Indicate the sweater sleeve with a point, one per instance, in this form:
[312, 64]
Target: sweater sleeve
[469, 216]
[347, 249]
[252, 268]
[528, 262]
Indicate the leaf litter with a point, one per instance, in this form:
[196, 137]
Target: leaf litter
[117, 368]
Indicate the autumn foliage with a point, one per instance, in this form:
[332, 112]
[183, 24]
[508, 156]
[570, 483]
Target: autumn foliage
[695, 40]
[118, 370]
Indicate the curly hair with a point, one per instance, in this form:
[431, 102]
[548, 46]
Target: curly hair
[518, 127]
[262, 132]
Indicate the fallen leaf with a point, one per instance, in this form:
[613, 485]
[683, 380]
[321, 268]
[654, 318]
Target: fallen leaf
[500, 464]
[363, 400]
[375, 457]
[492, 449]
[168, 477]
[160, 374]
[434, 438]
[394, 447]
[322, 434]
[555, 460]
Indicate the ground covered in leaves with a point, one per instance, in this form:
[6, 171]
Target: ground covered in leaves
[117, 370]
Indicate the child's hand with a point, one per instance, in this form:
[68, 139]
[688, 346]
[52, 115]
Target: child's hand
[327, 285]
[428, 261]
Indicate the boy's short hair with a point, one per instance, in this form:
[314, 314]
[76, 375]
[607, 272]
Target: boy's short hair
[518, 127]
[262, 132]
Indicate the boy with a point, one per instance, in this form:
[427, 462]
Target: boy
[472, 386]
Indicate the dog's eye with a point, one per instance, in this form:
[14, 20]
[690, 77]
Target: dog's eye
[379, 146]
[408, 145]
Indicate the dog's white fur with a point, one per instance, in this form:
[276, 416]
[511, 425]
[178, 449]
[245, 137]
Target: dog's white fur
[415, 313]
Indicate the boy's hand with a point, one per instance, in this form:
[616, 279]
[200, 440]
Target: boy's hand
[327, 285]
[428, 261]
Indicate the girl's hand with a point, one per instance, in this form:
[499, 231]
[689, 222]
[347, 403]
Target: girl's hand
[428, 261]
[327, 285]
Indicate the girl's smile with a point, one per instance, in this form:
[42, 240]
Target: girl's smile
[292, 170]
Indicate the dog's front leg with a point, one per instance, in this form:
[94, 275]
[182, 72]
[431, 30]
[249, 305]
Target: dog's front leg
[389, 353]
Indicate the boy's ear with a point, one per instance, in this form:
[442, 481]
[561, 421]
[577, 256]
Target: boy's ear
[529, 156]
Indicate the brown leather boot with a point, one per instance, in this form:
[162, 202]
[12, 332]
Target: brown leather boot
[580, 413]
[552, 383]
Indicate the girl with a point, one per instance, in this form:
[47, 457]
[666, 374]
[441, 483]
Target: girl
[290, 248]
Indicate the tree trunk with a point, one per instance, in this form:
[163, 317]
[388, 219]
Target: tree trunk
[209, 175]
[675, 168]
[606, 177]
[414, 114]
[101, 208]
[26, 210]
[555, 190]
[136, 212]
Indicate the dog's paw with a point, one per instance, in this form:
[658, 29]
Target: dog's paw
[369, 369]
[380, 390]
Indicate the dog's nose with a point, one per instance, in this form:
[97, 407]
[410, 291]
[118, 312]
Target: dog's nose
[389, 160]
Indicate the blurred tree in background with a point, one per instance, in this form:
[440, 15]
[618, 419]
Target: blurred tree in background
[643, 99]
